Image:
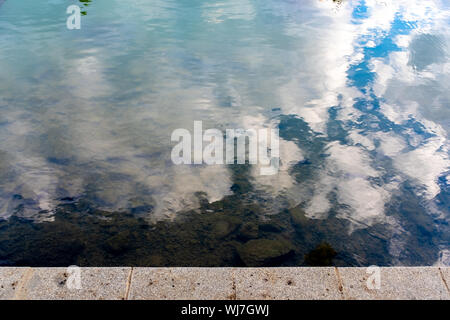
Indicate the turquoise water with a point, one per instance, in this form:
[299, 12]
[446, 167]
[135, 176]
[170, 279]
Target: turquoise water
[358, 89]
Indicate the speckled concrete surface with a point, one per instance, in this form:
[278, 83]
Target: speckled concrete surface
[287, 284]
[96, 283]
[224, 283]
[395, 283]
[182, 283]
[9, 281]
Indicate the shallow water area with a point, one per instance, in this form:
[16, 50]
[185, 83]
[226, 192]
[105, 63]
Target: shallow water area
[359, 91]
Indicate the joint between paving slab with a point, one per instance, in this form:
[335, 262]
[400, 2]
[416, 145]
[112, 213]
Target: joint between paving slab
[128, 285]
[443, 279]
[340, 283]
[21, 289]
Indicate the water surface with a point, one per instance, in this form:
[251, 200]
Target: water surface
[358, 89]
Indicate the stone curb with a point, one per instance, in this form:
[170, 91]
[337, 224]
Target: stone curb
[126, 283]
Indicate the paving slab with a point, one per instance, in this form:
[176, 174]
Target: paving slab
[287, 283]
[182, 283]
[62, 284]
[10, 281]
[223, 283]
[410, 283]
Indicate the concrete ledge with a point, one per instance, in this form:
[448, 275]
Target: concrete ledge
[95, 284]
[287, 284]
[225, 283]
[396, 283]
[9, 282]
[182, 284]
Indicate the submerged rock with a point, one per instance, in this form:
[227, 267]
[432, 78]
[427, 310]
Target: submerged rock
[119, 243]
[298, 216]
[263, 252]
[321, 256]
[223, 228]
[249, 230]
[155, 260]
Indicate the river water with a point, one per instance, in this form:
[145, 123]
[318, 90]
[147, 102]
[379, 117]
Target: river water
[359, 91]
